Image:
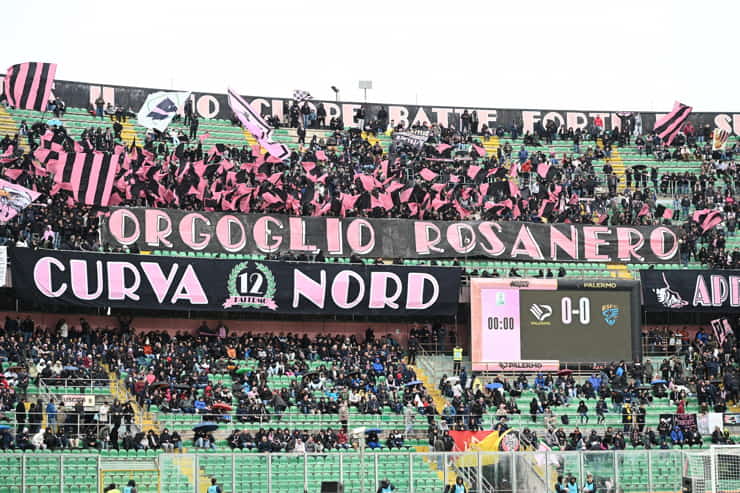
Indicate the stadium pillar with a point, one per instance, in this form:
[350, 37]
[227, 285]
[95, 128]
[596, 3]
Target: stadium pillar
[375, 472]
[479, 473]
[341, 468]
[305, 471]
[233, 472]
[512, 457]
[713, 469]
[196, 472]
[269, 473]
[411, 472]
[650, 471]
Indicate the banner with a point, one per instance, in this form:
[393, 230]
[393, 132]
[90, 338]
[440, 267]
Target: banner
[70, 400]
[414, 138]
[163, 229]
[176, 283]
[215, 105]
[159, 109]
[13, 199]
[691, 290]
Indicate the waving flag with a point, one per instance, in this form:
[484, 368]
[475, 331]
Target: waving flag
[719, 139]
[301, 96]
[159, 109]
[707, 219]
[13, 199]
[668, 126]
[256, 125]
[28, 85]
[88, 175]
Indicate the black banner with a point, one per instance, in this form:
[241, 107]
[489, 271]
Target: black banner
[165, 229]
[214, 105]
[687, 422]
[176, 283]
[691, 290]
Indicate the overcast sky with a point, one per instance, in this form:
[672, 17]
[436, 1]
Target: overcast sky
[590, 54]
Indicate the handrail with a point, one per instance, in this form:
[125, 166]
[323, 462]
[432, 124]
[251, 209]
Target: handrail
[74, 382]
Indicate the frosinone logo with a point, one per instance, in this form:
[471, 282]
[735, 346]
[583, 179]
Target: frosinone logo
[610, 313]
[251, 286]
[540, 312]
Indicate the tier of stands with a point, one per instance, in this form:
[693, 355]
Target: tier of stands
[223, 131]
[44, 472]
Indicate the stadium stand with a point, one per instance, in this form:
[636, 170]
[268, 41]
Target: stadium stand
[170, 410]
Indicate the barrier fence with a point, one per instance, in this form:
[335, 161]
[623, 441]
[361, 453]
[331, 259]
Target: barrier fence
[716, 470]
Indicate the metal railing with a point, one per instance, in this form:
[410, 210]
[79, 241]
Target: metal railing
[74, 385]
[715, 470]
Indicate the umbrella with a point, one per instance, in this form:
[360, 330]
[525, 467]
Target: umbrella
[222, 405]
[413, 382]
[241, 371]
[16, 368]
[4, 427]
[206, 426]
[494, 385]
[453, 379]
[182, 386]
[373, 430]
[54, 121]
[565, 371]
[658, 382]
[158, 385]
[71, 368]
[639, 167]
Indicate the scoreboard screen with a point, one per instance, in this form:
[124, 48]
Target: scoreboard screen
[553, 320]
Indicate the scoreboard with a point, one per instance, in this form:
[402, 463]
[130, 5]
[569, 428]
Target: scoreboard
[537, 323]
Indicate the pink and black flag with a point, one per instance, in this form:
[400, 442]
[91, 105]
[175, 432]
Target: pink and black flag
[707, 219]
[88, 175]
[256, 125]
[722, 329]
[668, 126]
[28, 85]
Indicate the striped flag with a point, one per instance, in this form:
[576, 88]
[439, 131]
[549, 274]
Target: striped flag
[28, 85]
[719, 139]
[88, 175]
[668, 126]
[256, 125]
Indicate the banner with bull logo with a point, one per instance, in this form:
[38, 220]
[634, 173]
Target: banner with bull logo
[691, 290]
[44, 277]
[165, 229]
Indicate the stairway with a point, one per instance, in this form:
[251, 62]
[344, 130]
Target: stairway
[370, 138]
[619, 271]
[617, 164]
[491, 145]
[8, 126]
[431, 387]
[128, 133]
[118, 389]
[251, 141]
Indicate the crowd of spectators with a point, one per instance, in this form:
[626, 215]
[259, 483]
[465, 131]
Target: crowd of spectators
[692, 367]
[344, 174]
